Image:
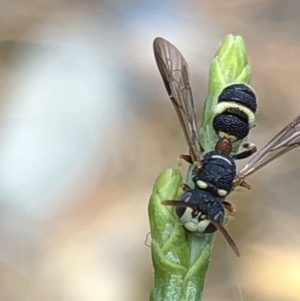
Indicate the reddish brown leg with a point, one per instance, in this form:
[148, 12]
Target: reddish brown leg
[189, 160]
[245, 154]
[230, 213]
[198, 166]
[185, 187]
[230, 208]
[245, 185]
[238, 182]
[186, 158]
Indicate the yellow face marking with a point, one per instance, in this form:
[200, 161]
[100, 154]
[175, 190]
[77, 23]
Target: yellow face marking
[192, 224]
[187, 216]
[198, 228]
[224, 105]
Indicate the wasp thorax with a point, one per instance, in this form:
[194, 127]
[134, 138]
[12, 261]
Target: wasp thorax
[203, 205]
[218, 172]
[235, 112]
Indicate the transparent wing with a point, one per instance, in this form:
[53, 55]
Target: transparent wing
[286, 140]
[175, 74]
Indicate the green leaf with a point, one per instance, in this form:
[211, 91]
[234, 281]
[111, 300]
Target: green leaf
[169, 246]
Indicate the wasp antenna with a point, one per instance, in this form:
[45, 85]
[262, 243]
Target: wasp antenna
[226, 235]
[178, 204]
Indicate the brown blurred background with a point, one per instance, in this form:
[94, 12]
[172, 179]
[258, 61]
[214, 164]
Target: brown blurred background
[86, 126]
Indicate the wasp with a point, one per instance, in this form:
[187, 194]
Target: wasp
[202, 209]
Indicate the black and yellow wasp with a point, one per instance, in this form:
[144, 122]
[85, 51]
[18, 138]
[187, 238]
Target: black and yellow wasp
[202, 209]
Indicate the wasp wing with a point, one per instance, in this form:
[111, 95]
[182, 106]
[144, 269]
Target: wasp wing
[286, 140]
[174, 71]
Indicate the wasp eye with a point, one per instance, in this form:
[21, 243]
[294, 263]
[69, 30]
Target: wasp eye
[222, 192]
[201, 184]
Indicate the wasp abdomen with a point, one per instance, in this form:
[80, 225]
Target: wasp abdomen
[235, 112]
[232, 127]
[241, 94]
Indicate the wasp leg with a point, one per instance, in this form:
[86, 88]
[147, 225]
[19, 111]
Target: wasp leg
[250, 150]
[239, 182]
[186, 158]
[248, 145]
[245, 185]
[230, 212]
[189, 160]
[185, 187]
[229, 207]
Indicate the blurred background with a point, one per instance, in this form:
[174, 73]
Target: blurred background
[86, 127]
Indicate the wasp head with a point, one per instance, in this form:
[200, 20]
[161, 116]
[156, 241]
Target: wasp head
[201, 208]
